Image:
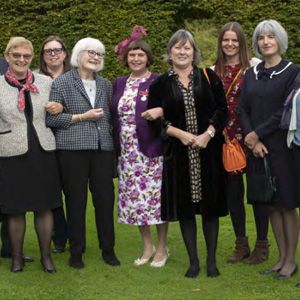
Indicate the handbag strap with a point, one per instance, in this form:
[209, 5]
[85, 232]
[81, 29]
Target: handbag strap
[206, 75]
[268, 173]
[233, 81]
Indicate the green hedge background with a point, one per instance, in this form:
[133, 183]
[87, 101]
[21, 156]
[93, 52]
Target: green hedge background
[111, 21]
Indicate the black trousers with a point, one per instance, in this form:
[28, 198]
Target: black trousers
[80, 170]
[60, 227]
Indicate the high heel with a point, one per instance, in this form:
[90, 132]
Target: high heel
[284, 277]
[141, 261]
[47, 266]
[161, 263]
[17, 264]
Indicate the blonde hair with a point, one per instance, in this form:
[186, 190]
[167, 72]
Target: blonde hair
[18, 41]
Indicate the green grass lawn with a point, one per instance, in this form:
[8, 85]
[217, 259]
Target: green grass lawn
[99, 281]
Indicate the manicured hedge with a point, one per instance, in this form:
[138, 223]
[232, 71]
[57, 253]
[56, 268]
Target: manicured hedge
[111, 21]
[249, 14]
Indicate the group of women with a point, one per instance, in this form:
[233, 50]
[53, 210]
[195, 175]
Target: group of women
[168, 133]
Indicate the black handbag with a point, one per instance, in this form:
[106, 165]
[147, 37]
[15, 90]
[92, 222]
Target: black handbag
[261, 187]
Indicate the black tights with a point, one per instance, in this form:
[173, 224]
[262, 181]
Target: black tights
[43, 224]
[210, 227]
[235, 201]
[261, 216]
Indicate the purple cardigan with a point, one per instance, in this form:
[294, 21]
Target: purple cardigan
[149, 139]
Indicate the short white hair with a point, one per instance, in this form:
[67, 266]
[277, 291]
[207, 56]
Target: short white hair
[87, 44]
[273, 27]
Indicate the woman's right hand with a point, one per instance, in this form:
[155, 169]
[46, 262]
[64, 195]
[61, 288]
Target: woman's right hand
[92, 114]
[187, 138]
[260, 150]
[153, 113]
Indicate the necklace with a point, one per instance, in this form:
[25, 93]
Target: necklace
[145, 75]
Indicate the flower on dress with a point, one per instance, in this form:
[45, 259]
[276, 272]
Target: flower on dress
[125, 107]
[134, 195]
[157, 175]
[151, 162]
[129, 182]
[138, 172]
[131, 220]
[132, 157]
[142, 186]
[153, 201]
[131, 119]
[127, 145]
[140, 209]
[122, 203]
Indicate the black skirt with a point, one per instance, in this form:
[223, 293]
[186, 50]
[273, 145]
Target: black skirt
[30, 182]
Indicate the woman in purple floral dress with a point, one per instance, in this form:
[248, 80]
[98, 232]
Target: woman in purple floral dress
[138, 147]
[231, 64]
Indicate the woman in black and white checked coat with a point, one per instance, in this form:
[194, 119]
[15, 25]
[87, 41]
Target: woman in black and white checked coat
[85, 147]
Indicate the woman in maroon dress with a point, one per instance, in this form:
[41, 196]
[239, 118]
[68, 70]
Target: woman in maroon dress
[231, 63]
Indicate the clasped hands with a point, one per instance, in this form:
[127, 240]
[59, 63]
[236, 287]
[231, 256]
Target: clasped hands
[253, 143]
[195, 141]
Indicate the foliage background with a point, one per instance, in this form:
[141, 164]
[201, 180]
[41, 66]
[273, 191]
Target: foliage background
[111, 22]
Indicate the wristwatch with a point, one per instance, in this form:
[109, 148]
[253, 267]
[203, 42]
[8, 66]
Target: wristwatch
[210, 133]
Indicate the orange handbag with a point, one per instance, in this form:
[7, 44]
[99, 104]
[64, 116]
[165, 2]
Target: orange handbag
[234, 158]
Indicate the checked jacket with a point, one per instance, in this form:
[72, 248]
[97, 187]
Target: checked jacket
[68, 90]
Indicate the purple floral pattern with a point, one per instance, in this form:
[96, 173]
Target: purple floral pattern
[139, 176]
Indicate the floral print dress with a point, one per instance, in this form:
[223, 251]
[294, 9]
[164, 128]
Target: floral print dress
[233, 126]
[140, 177]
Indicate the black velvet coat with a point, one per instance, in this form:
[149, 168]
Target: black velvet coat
[211, 108]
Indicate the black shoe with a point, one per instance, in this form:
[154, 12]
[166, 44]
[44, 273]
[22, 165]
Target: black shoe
[59, 249]
[47, 264]
[269, 272]
[110, 258]
[284, 277]
[212, 270]
[17, 264]
[298, 285]
[28, 259]
[76, 262]
[193, 271]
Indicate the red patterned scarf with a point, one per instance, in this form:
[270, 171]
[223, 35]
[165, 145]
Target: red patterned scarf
[27, 86]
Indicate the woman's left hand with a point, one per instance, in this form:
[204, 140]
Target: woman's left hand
[201, 141]
[54, 108]
[153, 113]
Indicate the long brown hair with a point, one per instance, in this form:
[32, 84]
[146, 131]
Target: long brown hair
[243, 49]
[43, 66]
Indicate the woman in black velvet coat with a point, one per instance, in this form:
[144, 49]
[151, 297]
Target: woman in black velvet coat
[195, 113]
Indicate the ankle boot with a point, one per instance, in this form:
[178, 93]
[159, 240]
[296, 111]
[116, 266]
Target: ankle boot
[241, 250]
[259, 254]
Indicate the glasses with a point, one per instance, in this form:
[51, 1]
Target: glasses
[17, 55]
[55, 51]
[93, 53]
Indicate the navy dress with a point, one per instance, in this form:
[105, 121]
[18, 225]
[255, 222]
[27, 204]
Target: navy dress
[260, 109]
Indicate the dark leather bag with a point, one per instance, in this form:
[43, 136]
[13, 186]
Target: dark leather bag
[261, 187]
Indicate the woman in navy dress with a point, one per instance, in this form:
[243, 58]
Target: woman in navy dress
[265, 89]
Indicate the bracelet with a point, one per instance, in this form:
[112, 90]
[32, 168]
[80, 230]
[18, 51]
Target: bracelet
[80, 118]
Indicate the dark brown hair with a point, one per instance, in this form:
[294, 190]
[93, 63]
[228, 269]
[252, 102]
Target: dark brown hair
[243, 49]
[43, 66]
[142, 45]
